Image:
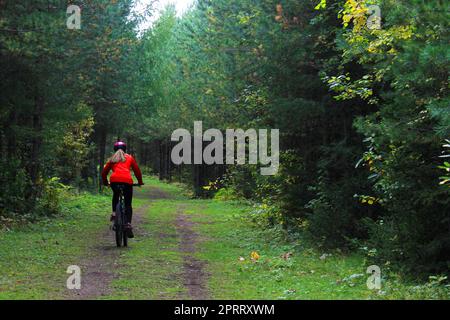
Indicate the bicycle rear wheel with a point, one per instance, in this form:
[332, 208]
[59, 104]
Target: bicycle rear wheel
[124, 230]
[119, 226]
[125, 238]
[119, 237]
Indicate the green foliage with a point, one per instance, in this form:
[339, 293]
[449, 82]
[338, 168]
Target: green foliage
[225, 194]
[405, 130]
[362, 112]
[435, 289]
[13, 195]
[445, 180]
[62, 91]
[75, 149]
[330, 84]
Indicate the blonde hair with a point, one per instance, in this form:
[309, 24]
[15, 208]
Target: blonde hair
[119, 156]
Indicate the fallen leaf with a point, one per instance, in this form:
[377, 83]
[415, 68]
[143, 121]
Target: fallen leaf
[290, 291]
[254, 255]
[286, 255]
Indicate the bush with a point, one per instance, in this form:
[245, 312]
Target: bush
[225, 194]
[335, 218]
[242, 180]
[49, 202]
[413, 234]
[14, 187]
[436, 288]
[20, 201]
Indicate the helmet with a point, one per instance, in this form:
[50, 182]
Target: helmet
[120, 145]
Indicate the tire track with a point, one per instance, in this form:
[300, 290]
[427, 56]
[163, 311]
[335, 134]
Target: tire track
[102, 266]
[194, 275]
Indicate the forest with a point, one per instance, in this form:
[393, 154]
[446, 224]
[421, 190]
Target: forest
[358, 90]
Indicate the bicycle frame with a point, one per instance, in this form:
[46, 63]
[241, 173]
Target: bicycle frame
[120, 220]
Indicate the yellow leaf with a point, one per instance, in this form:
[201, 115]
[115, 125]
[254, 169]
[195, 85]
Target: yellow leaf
[254, 255]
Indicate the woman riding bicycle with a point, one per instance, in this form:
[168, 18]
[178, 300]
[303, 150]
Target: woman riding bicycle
[120, 163]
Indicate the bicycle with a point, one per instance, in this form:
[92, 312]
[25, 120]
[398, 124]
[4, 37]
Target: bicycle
[120, 220]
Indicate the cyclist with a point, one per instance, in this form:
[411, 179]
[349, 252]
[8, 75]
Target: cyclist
[120, 164]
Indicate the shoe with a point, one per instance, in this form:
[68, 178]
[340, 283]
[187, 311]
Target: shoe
[129, 230]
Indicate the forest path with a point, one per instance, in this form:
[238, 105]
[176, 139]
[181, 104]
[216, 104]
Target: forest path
[194, 274]
[104, 263]
[101, 265]
[184, 249]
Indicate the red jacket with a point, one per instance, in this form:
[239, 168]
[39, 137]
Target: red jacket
[121, 171]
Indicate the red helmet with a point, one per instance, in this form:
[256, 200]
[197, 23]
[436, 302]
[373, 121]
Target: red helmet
[120, 145]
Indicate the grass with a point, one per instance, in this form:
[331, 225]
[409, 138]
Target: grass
[34, 258]
[282, 271]
[228, 239]
[176, 190]
[152, 267]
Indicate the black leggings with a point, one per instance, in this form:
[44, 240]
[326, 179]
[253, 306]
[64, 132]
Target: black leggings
[127, 195]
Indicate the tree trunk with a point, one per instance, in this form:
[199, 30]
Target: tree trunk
[168, 162]
[161, 160]
[37, 137]
[101, 155]
[198, 171]
[11, 135]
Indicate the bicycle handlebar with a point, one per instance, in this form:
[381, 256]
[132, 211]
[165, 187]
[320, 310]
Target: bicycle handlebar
[134, 185]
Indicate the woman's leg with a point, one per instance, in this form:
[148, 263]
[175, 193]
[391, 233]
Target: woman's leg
[128, 198]
[115, 198]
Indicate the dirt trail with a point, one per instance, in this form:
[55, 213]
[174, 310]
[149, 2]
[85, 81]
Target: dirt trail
[100, 268]
[194, 275]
